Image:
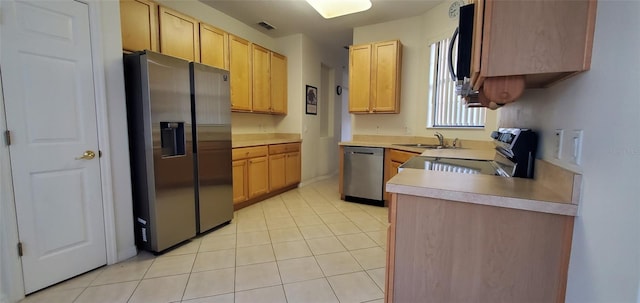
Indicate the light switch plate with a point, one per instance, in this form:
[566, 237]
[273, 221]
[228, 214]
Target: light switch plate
[557, 143]
[576, 140]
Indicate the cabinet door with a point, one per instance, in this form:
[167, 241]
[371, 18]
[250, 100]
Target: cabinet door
[179, 35]
[261, 94]
[385, 75]
[279, 81]
[240, 189]
[359, 78]
[276, 172]
[213, 47]
[536, 37]
[394, 168]
[139, 22]
[258, 176]
[240, 73]
[292, 175]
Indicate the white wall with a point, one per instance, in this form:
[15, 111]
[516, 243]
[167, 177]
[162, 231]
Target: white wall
[605, 256]
[319, 155]
[292, 46]
[416, 34]
[117, 120]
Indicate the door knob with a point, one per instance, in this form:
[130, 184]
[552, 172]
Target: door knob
[88, 155]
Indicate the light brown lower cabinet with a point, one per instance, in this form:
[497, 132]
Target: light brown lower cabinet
[447, 251]
[240, 190]
[258, 169]
[277, 171]
[284, 165]
[393, 159]
[262, 171]
[250, 172]
[292, 168]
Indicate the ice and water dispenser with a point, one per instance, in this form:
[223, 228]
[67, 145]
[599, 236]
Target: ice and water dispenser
[172, 139]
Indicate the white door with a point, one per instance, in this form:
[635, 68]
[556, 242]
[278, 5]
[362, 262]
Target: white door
[47, 77]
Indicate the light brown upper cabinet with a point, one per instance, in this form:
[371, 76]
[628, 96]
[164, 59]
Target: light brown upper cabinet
[214, 48]
[279, 86]
[269, 72]
[139, 22]
[179, 35]
[359, 78]
[374, 77]
[261, 75]
[240, 72]
[538, 41]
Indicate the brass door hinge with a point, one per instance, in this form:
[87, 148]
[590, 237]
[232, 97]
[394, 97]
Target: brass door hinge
[7, 137]
[20, 249]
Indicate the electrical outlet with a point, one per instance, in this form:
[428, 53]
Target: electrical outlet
[576, 144]
[557, 143]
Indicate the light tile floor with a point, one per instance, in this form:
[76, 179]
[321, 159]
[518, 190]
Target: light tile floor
[305, 245]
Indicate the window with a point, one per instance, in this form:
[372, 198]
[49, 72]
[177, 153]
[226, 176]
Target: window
[446, 109]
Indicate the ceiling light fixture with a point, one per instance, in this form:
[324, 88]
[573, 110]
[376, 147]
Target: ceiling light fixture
[336, 8]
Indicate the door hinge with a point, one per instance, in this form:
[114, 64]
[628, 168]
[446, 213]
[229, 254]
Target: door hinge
[20, 249]
[7, 137]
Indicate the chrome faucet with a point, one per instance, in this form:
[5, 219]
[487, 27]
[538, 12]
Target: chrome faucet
[440, 138]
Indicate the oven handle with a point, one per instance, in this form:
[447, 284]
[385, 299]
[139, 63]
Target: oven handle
[451, 43]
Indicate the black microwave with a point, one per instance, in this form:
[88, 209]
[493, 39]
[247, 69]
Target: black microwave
[461, 73]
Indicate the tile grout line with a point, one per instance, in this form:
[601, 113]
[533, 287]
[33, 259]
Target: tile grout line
[310, 203]
[142, 278]
[184, 291]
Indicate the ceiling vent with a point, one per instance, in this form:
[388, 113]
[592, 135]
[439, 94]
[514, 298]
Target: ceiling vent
[266, 25]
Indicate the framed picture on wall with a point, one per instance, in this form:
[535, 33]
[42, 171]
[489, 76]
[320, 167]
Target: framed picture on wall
[312, 100]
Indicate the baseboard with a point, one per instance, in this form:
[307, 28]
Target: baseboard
[241, 205]
[127, 253]
[318, 179]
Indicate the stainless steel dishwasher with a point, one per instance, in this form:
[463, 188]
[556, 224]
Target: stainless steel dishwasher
[363, 174]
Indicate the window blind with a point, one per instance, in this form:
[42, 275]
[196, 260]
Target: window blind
[448, 109]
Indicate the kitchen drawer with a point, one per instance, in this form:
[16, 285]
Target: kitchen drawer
[284, 148]
[401, 156]
[250, 152]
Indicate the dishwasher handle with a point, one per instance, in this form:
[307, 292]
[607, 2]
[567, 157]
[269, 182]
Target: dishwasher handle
[361, 153]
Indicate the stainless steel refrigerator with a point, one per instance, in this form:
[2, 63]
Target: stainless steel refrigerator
[162, 150]
[211, 113]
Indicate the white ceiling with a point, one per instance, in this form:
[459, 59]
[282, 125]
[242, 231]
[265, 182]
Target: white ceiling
[297, 16]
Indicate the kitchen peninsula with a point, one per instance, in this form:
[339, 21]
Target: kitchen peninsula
[479, 238]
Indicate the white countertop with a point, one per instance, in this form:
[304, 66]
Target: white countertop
[517, 193]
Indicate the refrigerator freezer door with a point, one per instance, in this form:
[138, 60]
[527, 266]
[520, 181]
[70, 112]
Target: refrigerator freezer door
[211, 107]
[159, 116]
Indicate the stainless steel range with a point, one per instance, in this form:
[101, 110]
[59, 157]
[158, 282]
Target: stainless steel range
[515, 157]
